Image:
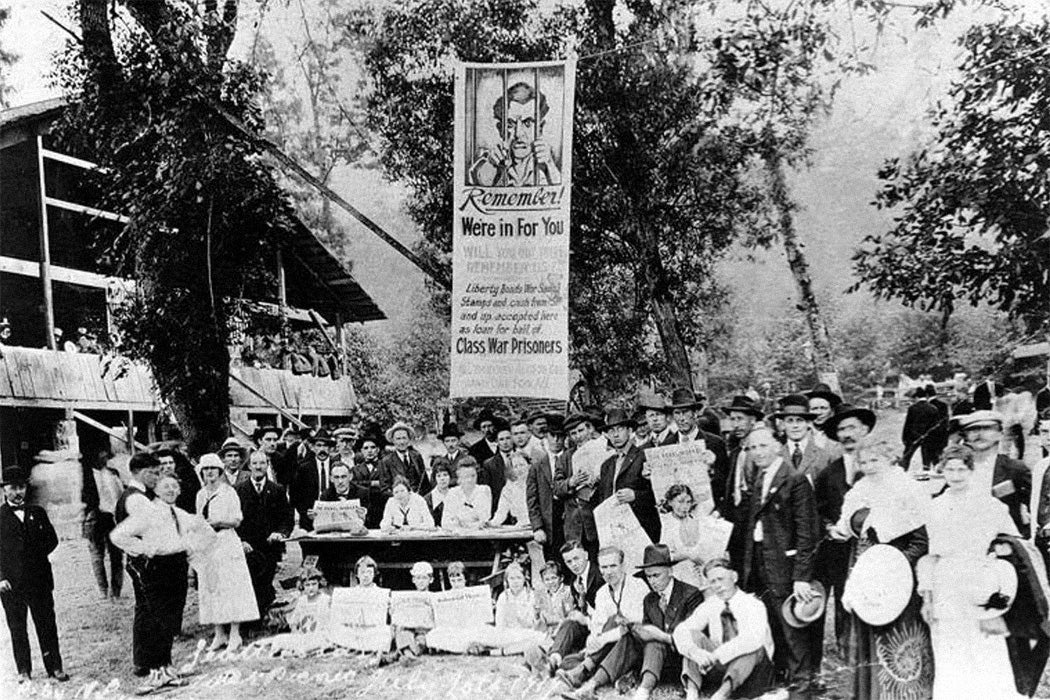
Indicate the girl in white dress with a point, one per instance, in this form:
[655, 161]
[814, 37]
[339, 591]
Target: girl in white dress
[222, 575]
[680, 531]
[970, 654]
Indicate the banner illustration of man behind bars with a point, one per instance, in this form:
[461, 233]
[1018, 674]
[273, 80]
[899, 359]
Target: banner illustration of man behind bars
[515, 128]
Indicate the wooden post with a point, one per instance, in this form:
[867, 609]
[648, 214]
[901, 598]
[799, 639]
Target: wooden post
[131, 431]
[282, 283]
[340, 340]
[45, 250]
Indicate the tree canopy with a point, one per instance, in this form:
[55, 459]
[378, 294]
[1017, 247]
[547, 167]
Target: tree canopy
[972, 206]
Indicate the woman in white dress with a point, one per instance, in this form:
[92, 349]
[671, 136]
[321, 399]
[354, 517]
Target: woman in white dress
[223, 575]
[970, 654]
[405, 510]
[469, 504]
[680, 531]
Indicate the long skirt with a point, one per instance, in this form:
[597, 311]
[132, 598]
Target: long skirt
[224, 583]
[894, 661]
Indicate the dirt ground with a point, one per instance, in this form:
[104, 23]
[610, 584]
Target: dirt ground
[95, 635]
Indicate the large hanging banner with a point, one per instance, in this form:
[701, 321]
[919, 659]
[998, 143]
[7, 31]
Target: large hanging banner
[510, 230]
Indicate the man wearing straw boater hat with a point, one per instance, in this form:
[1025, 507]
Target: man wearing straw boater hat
[1008, 479]
[800, 450]
[687, 410]
[26, 583]
[403, 460]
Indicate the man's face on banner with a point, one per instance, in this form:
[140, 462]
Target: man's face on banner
[521, 128]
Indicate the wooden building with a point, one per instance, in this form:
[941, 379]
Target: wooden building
[53, 277]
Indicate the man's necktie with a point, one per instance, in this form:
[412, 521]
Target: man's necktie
[796, 456]
[174, 517]
[729, 628]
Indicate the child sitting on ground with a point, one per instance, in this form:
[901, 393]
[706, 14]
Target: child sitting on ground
[555, 601]
[411, 642]
[309, 619]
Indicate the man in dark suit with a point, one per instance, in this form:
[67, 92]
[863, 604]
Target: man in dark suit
[26, 583]
[485, 448]
[287, 457]
[403, 461]
[687, 410]
[545, 512]
[848, 425]
[742, 413]
[367, 478]
[623, 475]
[267, 438]
[267, 521]
[312, 477]
[494, 470]
[586, 580]
[781, 539]
[649, 647]
[454, 452]
[924, 427]
[1008, 479]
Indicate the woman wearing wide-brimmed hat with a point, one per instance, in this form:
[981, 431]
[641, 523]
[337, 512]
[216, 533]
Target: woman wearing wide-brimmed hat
[224, 582]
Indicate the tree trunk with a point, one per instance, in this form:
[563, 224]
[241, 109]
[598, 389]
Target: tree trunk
[675, 352]
[823, 359]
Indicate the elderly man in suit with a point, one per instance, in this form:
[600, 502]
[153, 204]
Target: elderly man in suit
[781, 535]
[689, 415]
[267, 521]
[623, 475]
[403, 461]
[800, 449]
[1006, 478]
[649, 648]
[26, 582]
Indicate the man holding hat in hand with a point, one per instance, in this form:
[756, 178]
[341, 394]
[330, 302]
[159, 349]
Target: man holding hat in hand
[622, 475]
[26, 583]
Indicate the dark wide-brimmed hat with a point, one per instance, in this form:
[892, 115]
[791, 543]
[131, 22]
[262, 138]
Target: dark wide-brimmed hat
[655, 555]
[485, 415]
[14, 475]
[575, 419]
[794, 405]
[450, 430]
[844, 411]
[743, 404]
[684, 398]
[535, 416]
[823, 391]
[259, 432]
[649, 401]
[616, 417]
[556, 423]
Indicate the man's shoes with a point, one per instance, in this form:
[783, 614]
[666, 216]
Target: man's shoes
[23, 678]
[625, 683]
[584, 692]
[568, 678]
[536, 660]
[140, 672]
[60, 676]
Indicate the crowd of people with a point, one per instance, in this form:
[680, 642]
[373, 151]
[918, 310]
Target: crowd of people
[938, 582]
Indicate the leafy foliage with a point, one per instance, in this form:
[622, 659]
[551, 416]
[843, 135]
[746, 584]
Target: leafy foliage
[205, 212]
[972, 206]
[6, 59]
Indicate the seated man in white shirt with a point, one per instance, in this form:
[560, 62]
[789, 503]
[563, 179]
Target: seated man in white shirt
[726, 645]
[618, 604]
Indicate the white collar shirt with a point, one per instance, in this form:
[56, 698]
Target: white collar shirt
[752, 623]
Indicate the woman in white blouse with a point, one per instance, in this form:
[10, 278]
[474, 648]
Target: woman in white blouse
[405, 510]
[512, 502]
[469, 504]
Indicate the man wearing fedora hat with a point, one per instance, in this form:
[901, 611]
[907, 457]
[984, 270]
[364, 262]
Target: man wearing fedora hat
[235, 461]
[450, 437]
[312, 477]
[743, 414]
[849, 425]
[800, 450]
[622, 475]
[1008, 479]
[26, 583]
[485, 447]
[650, 648]
[576, 488]
[657, 413]
[687, 410]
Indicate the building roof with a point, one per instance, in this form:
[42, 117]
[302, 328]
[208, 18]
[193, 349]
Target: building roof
[324, 283]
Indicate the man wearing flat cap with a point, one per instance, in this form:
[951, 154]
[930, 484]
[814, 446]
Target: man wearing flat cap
[623, 474]
[26, 583]
[687, 410]
[1006, 478]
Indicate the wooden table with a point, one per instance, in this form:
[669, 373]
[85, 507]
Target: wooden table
[396, 552]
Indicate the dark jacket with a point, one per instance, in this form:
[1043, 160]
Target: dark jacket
[924, 425]
[24, 547]
[1012, 470]
[481, 451]
[545, 511]
[392, 466]
[630, 477]
[437, 512]
[683, 601]
[790, 527]
[1027, 617]
[264, 514]
[305, 487]
[829, 488]
[369, 484]
[577, 516]
[594, 582]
